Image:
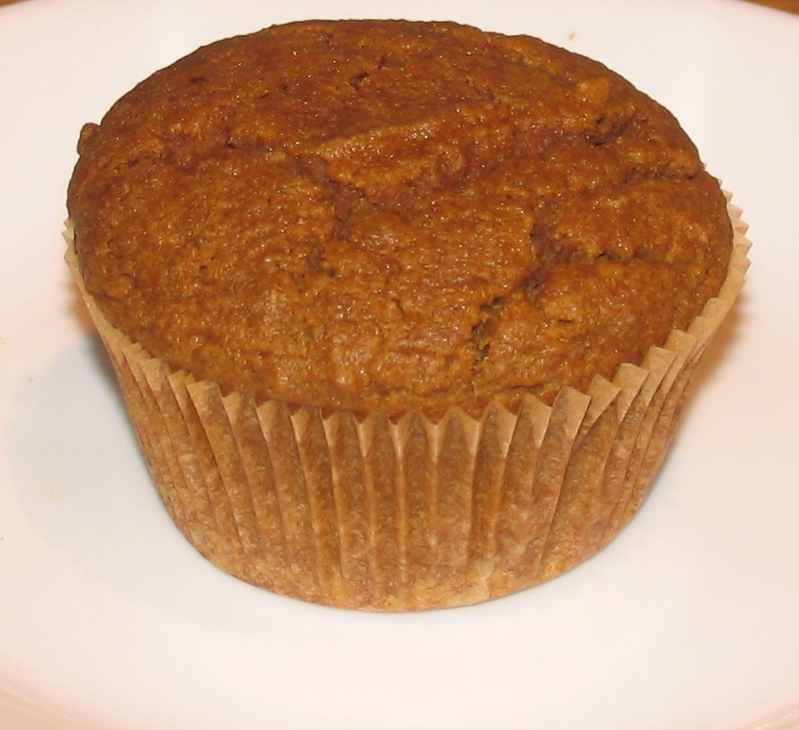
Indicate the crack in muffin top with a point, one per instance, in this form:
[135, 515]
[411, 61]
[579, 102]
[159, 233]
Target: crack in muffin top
[394, 215]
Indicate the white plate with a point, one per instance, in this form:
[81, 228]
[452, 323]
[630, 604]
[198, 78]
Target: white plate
[109, 621]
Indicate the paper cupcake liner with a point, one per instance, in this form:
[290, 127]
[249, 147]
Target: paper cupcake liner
[373, 513]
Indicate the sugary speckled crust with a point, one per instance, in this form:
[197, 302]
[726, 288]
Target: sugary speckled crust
[386, 215]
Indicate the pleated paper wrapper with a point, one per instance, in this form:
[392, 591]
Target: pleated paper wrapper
[403, 514]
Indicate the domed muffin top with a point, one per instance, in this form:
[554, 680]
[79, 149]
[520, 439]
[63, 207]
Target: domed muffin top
[392, 215]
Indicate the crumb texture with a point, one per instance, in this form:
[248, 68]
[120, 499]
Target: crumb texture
[387, 215]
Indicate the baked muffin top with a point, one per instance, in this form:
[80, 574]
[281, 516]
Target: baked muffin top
[392, 215]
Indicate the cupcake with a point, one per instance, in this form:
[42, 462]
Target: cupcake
[403, 312]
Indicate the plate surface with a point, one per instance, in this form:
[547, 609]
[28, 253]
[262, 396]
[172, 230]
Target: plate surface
[110, 621]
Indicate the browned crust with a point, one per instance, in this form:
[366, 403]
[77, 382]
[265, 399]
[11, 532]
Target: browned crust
[390, 216]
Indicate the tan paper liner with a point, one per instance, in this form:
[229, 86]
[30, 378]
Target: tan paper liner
[374, 514]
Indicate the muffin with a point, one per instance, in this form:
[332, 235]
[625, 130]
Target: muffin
[403, 312]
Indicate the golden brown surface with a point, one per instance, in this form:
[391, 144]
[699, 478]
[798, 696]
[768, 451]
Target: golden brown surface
[789, 6]
[393, 216]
